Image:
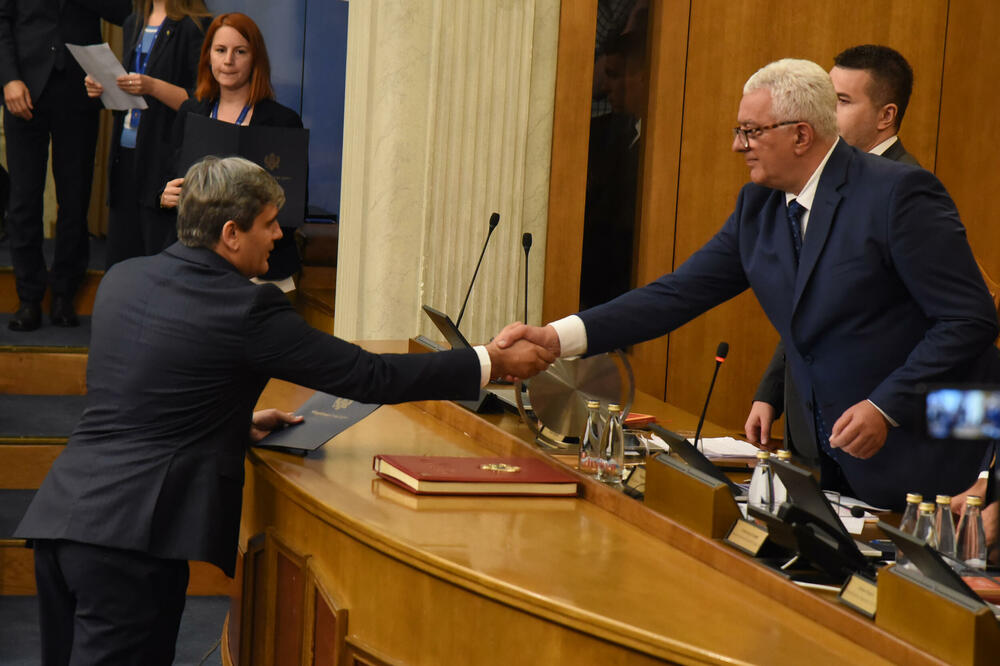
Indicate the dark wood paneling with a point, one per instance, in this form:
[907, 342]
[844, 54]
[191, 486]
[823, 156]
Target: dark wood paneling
[967, 160]
[289, 597]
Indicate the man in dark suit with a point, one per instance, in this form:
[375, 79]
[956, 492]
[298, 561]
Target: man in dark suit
[863, 267]
[873, 85]
[44, 97]
[183, 343]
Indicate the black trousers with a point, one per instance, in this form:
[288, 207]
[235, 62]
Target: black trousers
[63, 113]
[101, 605]
[135, 229]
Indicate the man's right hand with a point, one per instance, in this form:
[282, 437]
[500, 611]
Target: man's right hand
[18, 99]
[758, 425]
[520, 360]
[543, 336]
[171, 193]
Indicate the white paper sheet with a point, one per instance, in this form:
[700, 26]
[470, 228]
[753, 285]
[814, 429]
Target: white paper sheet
[727, 447]
[100, 64]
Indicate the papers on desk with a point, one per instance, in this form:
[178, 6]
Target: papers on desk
[100, 64]
[853, 525]
[727, 447]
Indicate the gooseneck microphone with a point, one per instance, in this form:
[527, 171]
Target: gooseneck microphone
[526, 244]
[720, 355]
[494, 221]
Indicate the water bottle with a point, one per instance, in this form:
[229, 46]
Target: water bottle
[612, 448]
[944, 526]
[780, 492]
[925, 524]
[590, 440]
[909, 522]
[971, 538]
[761, 493]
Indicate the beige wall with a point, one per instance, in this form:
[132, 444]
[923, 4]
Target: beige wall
[448, 118]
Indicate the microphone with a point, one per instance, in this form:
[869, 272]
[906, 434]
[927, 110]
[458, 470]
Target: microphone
[720, 355]
[526, 244]
[857, 510]
[494, 221]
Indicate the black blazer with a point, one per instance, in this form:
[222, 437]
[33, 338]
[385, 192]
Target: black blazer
[174, 59]
[34, 34]
[182, 345]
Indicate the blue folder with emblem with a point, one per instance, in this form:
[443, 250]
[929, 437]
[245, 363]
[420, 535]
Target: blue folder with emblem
[283, 151]
[326, 416]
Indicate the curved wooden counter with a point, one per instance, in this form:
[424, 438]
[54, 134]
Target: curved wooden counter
[339, 567]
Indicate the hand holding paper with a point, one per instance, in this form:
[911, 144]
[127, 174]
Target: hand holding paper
[103, 67]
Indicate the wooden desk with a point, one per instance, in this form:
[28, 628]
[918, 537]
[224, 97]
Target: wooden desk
[338, 567]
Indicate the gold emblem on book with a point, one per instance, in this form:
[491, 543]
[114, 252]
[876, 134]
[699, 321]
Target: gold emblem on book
[272, 161]
[500, 467]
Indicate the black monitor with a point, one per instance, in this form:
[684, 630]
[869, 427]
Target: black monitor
[695, 458]
[448, 328]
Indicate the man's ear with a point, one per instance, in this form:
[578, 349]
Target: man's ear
[805, 136]
[230, 238]
[887, 116]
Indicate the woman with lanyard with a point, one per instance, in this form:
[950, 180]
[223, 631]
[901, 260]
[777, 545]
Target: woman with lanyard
[162, 44]
[234, 86]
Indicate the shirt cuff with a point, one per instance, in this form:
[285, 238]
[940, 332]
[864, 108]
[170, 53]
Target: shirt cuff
[887, 417]
[572, 336]
[485, 365]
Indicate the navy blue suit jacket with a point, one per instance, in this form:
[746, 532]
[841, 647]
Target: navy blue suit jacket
[886, 296]
[181, 347]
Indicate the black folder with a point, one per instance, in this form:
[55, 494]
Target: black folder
[326, 416]
[283, 151]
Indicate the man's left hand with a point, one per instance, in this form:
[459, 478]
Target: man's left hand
[860, 431]
[267, 420]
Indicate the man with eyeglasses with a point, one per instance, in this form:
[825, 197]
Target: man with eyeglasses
[873, 85]
[863, 267]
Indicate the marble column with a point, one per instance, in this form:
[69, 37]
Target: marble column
[448, 119]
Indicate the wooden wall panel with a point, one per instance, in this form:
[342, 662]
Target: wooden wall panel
[967, 156]
[567, 180]
[727, 43]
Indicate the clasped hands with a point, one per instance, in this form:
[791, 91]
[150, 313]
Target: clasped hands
[520, 351]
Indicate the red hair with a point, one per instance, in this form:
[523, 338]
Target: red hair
[260, 76]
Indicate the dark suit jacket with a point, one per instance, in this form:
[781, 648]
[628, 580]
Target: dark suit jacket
[174, 59]
[34, 34]
[182, 345]
[886, 296]
[777, 388]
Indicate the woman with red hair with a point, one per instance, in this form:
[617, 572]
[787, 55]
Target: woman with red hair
[234, 86]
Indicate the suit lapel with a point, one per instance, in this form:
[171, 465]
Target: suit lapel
[821, 215]
[166, 32]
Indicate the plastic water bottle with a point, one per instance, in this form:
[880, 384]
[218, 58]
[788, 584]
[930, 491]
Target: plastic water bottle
[971, 537]
[780, 492]
[590, 440]
[612, 451]
[944, 526]
[925, 524]
[761, 493]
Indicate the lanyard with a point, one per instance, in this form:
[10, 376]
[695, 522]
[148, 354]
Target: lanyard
[142, 59]
[239, 121]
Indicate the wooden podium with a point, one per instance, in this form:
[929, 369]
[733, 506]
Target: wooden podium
[337, 567]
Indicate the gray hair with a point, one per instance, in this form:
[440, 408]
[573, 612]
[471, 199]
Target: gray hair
[220, 189]
[800, 90]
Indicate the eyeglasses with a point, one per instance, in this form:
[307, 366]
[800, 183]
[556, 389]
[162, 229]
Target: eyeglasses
[744, 134]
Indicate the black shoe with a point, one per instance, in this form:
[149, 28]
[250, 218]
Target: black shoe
[63, 313]
[27, 318]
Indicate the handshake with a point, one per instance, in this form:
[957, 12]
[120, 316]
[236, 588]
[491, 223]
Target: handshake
[520, 351]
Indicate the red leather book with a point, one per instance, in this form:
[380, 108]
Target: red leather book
[987, 588]
[637, 420]
[448, 475]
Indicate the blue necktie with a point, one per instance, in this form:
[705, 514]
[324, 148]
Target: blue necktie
[795, 212]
